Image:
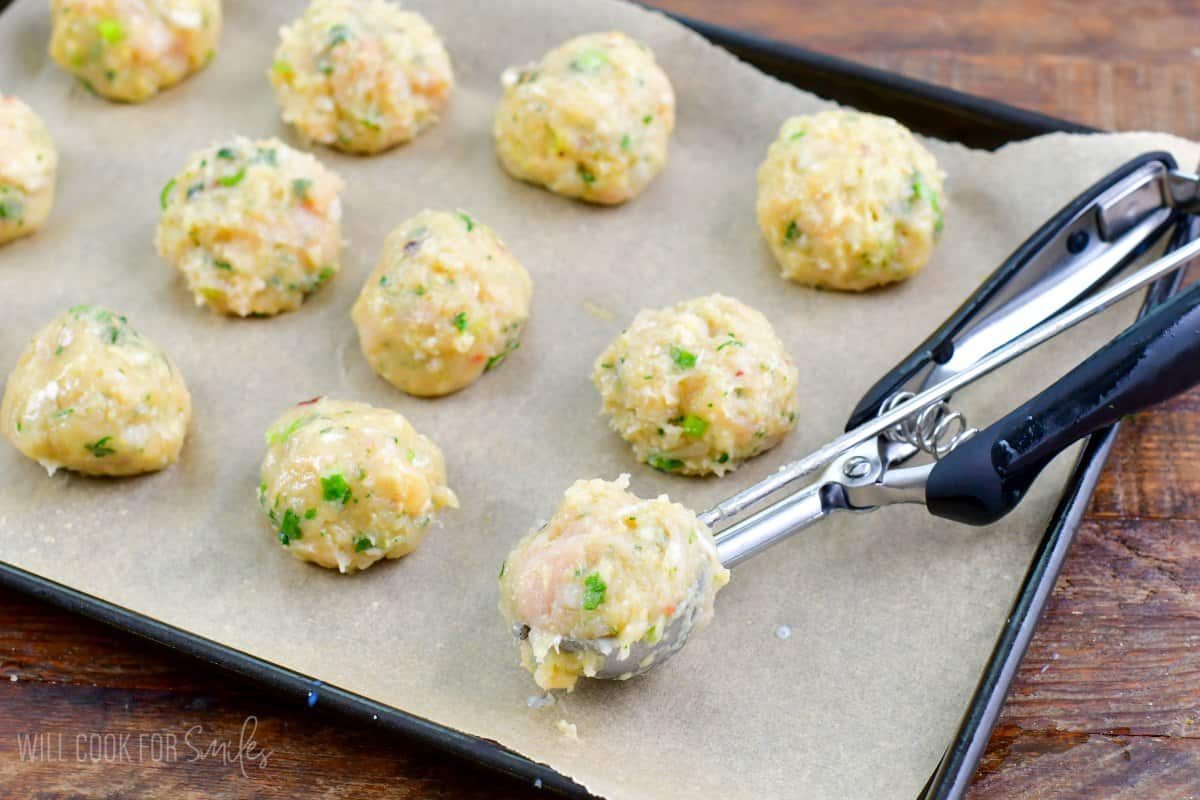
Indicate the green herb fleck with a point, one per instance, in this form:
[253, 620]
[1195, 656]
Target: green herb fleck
[110, 30]
[796, 135]
[310, 513]
[338, 34]
[10, 209]
[652, 634]
[589, 61]
[921, 190]
[594, 591]
[792, 233]
[664, 464]
[283, 434]
[585, 175]
[166, 193]
[300, 187]
[226, 153]
[234, 179]
[466, 218]
[100, 448]
[732, 341]
[625, 142]
[723, 458]
[503, 567]
[646, 120]
[325, 274]
[362, 543]
[460, 320]
[281, 68]
[66, 412]
[289, 527]
[335, 489]
[498, 359]
[225, 265]
[694, 426]
[682, 358]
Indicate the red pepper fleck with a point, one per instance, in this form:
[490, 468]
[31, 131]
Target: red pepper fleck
[310, 401]
[739, 373]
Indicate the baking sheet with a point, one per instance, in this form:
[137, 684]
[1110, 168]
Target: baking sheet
[892, 615]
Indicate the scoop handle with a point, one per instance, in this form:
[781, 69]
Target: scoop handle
[985, 477]
[1046, 256]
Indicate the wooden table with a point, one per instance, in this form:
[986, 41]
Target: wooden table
[1106, 703]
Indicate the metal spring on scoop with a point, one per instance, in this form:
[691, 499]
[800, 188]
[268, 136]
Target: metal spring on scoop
[936, 429]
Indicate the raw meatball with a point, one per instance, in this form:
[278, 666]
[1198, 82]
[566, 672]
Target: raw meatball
[608, 565]
[254, 226]
[361, 75]
[698, 387]
[131, 49]
[93, 395]
[346, 484]
[848, 200]
[28, 164]
[591, 120]
[446, 303]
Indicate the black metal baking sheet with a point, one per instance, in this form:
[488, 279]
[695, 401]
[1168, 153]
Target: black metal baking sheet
[926, 108]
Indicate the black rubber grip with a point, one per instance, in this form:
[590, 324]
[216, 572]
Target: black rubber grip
[1157, 358]
[939, 346]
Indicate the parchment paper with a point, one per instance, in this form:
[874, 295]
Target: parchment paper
[892, 614]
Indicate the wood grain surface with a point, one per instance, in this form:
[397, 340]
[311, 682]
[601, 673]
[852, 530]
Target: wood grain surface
[1107, 701]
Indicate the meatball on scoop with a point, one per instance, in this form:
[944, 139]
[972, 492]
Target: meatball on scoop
[129, 50]
[446, 303]
[93, 395]
[608, 570]
[360, 75]
[28, 165]
[346, 484]
[591, 120]
[254, 226]
[698, 387]
[849, 201]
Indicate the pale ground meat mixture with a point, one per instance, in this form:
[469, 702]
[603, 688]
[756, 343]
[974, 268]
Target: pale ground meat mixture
[28, 166]
[129, 50]
[254, 226]
[608, 564]
[446, 303]
[93, 395]
[360, 75]
[849, 201]
[345, 484]
[698, 387]
[591, 120]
